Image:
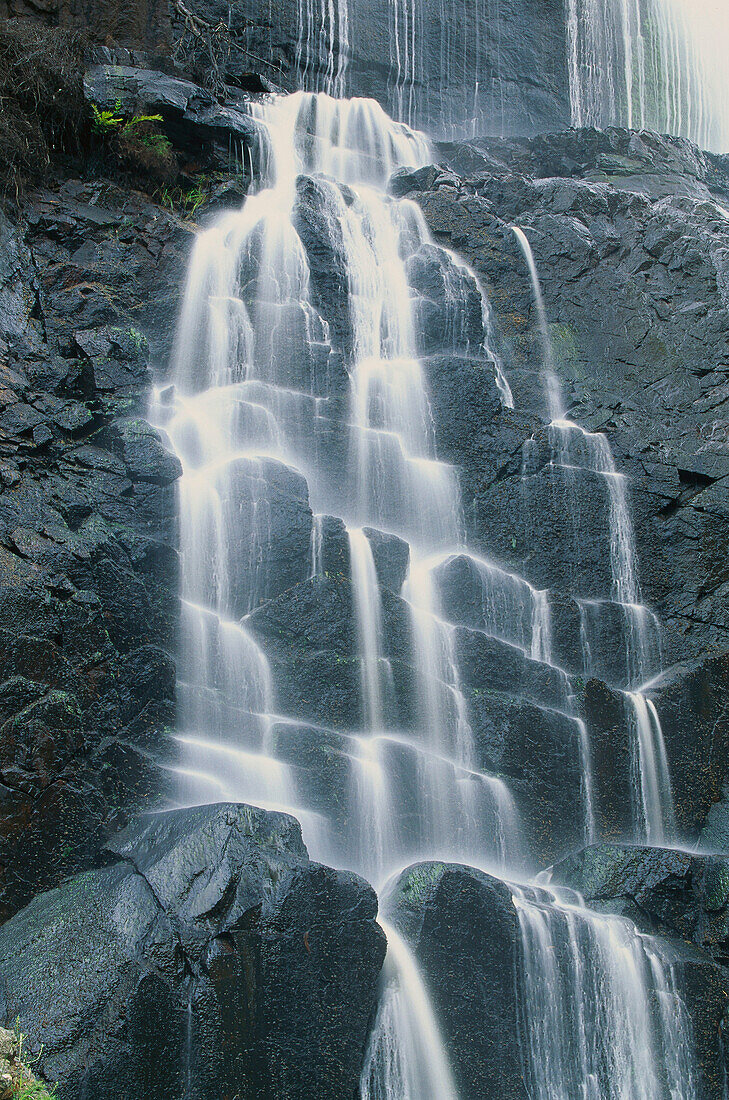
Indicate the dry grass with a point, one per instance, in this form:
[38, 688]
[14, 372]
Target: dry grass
[42, 110]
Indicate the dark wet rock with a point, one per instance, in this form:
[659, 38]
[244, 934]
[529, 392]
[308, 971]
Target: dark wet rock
[671, 892]
[648, 372]
[309, 635]
[333, 546]
[193, 118]
[88, 569]
[538, 753]
[392, 558]
[465, 931]
[692, 697]
[463, 928]
[223, 960]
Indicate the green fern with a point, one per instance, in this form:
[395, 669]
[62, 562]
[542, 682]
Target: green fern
[105, 122]
[35, 1090]
[137, 120]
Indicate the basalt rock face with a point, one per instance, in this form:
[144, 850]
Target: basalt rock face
[209, 957]
[88, 569]
[637, 221]
[446, 67]
[670, 892]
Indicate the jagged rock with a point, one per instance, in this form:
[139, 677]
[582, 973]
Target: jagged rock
[88, 569]
[662, 890]
[194, 119]
[210, 955]
[392, 558]
[465, 931]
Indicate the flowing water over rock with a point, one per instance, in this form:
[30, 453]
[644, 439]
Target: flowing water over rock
[302, 417]
[656, 64]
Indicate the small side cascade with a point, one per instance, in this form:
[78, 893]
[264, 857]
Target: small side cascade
[407, 1058]
[577, 451]
[602, 1017]
[651, 775]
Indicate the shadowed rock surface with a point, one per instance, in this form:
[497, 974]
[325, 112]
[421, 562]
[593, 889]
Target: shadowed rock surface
[209, 955]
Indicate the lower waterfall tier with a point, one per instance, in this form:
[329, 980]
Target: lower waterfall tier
[224, 959]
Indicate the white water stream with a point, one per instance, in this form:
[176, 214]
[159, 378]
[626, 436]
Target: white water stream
[655, 64]
[263, 373]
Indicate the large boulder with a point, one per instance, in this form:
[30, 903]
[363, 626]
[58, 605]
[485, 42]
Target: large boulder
[464, 931]
[209, 957]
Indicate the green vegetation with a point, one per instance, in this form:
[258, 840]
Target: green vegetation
[136, 142]
[113, 122]
[184, 201]
[35, 1090]
[26, 1087]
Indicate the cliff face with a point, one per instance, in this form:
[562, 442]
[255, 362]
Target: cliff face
[452, 68]
[631, 236]
[88, 603]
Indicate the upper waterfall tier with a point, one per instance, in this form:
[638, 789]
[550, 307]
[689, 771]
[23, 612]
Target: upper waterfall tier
[467, 68]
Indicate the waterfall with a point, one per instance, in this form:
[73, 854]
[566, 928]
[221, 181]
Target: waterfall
[301, 407]
[656, 64]
[651, 776]
[555, 402]
[576, 452]
[369, 625]
[406, 1059]
[322, 45]
[589, 983]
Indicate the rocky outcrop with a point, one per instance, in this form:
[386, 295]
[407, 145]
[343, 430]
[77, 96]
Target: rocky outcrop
[88, 568]
[208, 957]
[464, 931]
[689, 696]
[638, 221]
[671, 892]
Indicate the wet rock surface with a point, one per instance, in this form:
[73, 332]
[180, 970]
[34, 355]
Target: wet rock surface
[88, 567]
[671, 892]
[209, 954]
[464, 931]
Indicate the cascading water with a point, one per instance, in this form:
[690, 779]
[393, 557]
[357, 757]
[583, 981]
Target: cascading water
[588, 1025]
[656, 64]
[264, 370]
[577, 451]
[407, 1059]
